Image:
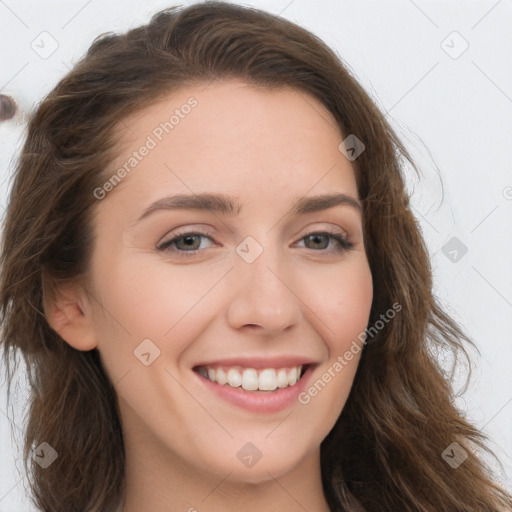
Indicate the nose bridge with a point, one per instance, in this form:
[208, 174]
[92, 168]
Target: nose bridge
[263, 291]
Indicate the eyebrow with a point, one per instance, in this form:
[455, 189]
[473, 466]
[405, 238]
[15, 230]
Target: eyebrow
[228, 205]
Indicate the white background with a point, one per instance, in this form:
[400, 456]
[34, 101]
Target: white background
[454, 112]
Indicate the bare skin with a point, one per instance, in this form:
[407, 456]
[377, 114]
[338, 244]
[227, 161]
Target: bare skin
[301, 296]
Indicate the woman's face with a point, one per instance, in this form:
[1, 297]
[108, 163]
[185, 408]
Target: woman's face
[249, 295]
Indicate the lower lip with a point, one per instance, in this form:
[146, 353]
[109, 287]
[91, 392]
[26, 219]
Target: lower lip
[259, 401]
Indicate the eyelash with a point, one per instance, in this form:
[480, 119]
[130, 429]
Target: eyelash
[344, 244]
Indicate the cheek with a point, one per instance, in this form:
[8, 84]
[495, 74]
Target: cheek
[145, 300]
[345, 305]
[137, 301]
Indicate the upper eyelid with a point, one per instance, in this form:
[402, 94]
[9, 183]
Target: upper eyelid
[194, 231]
[332, 232]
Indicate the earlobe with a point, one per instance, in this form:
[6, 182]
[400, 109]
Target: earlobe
[69, 314]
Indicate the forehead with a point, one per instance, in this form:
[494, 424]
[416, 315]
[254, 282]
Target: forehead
[233, 137]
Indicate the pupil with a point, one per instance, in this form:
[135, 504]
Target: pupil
[316, 238]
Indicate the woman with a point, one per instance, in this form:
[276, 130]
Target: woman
[258, 371]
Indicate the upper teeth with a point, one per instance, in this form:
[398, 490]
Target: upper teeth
[251, 379]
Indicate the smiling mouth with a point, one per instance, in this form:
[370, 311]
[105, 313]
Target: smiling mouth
[252, 379]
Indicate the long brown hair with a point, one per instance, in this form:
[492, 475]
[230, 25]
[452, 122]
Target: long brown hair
[385, 451]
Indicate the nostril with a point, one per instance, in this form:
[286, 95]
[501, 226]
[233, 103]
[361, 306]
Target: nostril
[7, 107]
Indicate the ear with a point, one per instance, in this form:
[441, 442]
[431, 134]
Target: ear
[69, 313]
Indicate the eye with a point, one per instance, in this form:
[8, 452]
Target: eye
[186, 240]
[342, 243]
[190, 242]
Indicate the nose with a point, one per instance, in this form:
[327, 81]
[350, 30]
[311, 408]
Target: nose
[266, 294]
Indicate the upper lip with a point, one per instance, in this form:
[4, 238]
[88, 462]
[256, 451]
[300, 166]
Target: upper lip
[259, 362]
